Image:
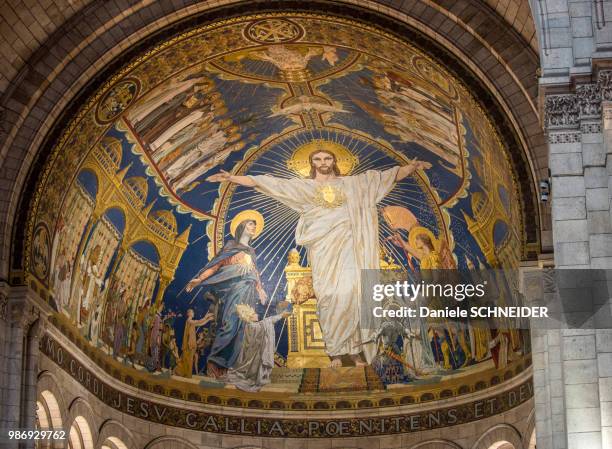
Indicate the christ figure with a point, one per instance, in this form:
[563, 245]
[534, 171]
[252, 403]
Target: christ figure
[338, 226]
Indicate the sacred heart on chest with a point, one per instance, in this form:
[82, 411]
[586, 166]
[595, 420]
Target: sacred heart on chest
[329, 196]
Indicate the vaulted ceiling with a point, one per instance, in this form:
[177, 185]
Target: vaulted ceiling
[518, 14]
[25, 29]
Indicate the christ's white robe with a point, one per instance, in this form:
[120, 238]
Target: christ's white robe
[341, 241]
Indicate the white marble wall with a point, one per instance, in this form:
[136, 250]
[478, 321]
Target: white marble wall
[571, 367]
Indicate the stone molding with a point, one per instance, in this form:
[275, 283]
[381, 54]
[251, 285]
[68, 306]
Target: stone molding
[590, 128]
[564, 137]
[211, 417]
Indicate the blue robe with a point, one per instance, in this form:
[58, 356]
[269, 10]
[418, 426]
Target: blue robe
[233, 285]
[457, 357]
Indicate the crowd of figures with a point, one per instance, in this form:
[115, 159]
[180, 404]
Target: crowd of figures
[413, 348]
[233, 343]
[239, 347]
[181, 128]
[146, 338]
[407, 353]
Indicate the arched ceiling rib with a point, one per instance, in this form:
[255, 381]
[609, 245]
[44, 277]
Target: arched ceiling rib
[25, 30]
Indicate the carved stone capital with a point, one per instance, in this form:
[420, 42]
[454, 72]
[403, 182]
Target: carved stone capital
[589, 100]
[561, 111]
[38, 327]
[24, 308]
[566, 111]
[604, 80]
[24, 315]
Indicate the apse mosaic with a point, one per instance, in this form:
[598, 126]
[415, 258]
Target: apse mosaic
[180, 233]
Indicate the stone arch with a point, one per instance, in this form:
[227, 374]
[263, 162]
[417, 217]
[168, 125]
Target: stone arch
[529, 432]
[500, 433]
[49, 416]
[80, 408]
[50, 89]
[119, 436]
[43, 418]
[531, 443]
[80, 434]
[113, 443]
[437, 444]
[170, 442]
[51, 410]
[48, 388]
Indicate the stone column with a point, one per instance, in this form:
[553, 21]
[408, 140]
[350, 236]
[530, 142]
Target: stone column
[4, 349]
[548, 394]
[30, 375]
[568, 194]
[603, 347]
[578, 368]
[25, 316]
[603, 337]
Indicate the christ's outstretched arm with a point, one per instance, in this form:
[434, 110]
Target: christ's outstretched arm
[227, 177]
[410, 168]
[292, 192]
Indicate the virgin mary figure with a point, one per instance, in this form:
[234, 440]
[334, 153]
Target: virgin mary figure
[234, 277]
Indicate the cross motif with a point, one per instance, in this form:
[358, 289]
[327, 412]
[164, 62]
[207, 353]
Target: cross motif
[273, 31]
